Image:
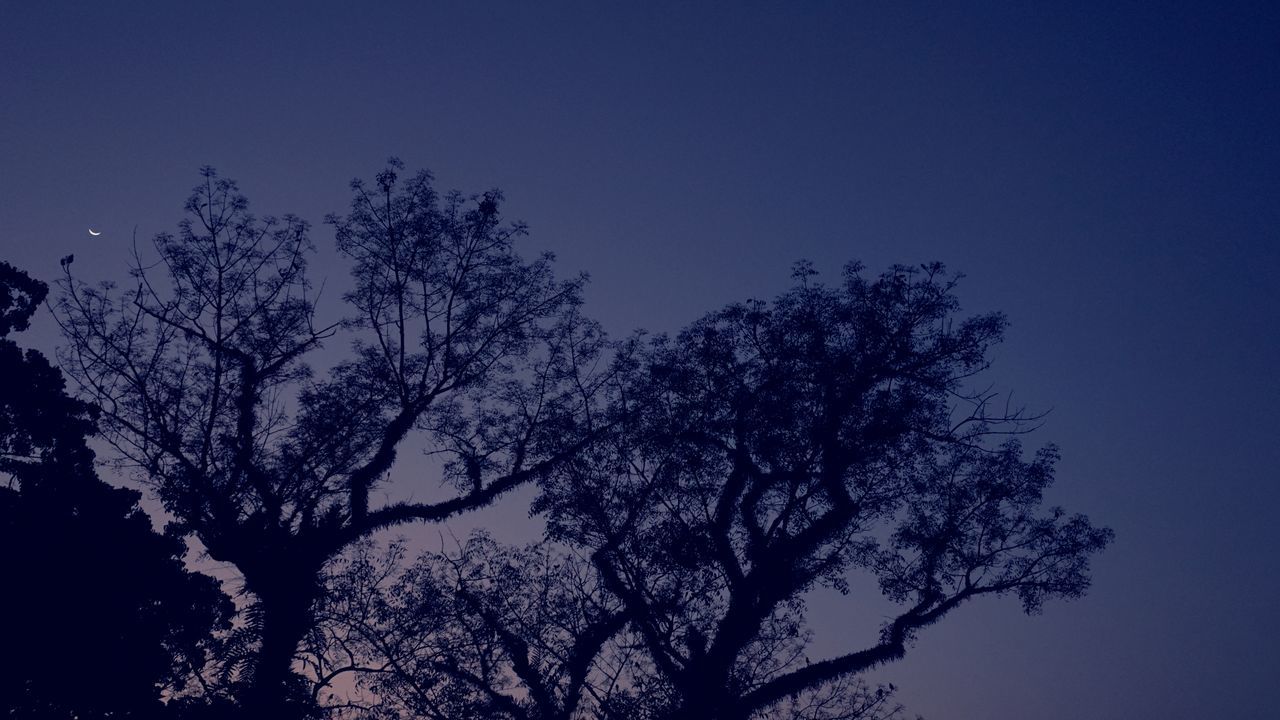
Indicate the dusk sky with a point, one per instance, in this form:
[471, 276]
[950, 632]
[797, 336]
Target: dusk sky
[1108, 174]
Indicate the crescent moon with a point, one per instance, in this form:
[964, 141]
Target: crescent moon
[95, 234]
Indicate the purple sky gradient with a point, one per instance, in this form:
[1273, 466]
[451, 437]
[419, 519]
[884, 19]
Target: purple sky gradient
[1106, 173]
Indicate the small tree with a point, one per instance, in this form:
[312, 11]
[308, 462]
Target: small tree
[200, 372]
[100, 616]
[488, 631]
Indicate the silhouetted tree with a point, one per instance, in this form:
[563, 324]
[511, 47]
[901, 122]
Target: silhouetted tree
[517, 633]
[99, 616]
[486, 632]
[696, 488]
[823, 438]
[826, 438]
[200, 372]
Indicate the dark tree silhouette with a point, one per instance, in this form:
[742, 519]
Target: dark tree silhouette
[816, 440]
[696, 488]
[826, 438]
[518, 633]
[100, 617]
[200, 373]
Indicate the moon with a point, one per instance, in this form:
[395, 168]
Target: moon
[95, 234]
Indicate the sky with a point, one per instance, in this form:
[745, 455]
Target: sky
[1107, 174]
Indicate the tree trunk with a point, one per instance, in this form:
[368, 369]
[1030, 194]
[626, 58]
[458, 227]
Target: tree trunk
[285, 597]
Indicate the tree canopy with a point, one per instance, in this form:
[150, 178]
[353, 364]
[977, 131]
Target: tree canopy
[696, 488]
[101, 616]
[826, 438]
[200, 371]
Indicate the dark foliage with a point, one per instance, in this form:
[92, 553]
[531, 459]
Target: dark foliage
[200, 370]
[99, 614]
[517, 633]
[697, 488]
[826, 439]
[777, 447]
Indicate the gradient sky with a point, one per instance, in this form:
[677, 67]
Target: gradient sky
[1106, 173]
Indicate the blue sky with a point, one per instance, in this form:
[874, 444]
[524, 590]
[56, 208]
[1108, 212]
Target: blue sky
[1106, 173]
